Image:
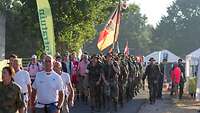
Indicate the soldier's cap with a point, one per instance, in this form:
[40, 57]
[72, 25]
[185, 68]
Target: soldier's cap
[180, 60]
[95, 56]
[152, 59]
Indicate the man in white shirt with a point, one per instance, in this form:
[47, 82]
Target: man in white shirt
[68, 89]
[22, 78]
[48, 87]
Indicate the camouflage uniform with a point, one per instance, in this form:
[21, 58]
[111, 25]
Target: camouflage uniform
[112, 72]
[139, 75]
[123, 78]
[10, 98]
[131, 80]
[94, 89]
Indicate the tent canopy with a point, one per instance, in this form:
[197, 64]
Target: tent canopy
[160, 55]
[195, 54]
[192, 60]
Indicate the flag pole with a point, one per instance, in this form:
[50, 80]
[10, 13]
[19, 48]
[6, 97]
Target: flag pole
[115, 35]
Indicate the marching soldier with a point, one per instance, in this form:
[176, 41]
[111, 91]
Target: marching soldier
[123, 78]
[94, 76]
[130, 93]
[112, 71]
[152, 73]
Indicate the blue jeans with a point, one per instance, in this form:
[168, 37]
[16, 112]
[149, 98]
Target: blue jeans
[48, 109]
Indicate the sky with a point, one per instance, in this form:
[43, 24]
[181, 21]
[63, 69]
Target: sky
[153, 9]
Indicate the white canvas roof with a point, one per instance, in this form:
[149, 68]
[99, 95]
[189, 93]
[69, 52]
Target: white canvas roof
[195, 54]
[160, 55]
[192, 59]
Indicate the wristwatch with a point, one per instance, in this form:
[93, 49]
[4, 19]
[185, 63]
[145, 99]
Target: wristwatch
[58, 107]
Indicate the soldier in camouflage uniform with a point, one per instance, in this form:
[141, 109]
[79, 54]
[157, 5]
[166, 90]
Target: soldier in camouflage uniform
[139, 74]
[131, 79]
[112, 71]
[94, 76]
[10, 96]
[123, 80]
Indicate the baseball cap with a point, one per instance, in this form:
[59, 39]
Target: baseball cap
[34, 56]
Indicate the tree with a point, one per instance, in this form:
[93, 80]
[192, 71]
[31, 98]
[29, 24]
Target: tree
[23, 35]
[75, 21]
[74, 24]
[179, 30]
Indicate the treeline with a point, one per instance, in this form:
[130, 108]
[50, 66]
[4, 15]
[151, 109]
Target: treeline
[77, 24]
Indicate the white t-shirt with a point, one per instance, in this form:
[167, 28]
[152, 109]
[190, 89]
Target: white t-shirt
[66, 81]
[47, 87]
[22, 78]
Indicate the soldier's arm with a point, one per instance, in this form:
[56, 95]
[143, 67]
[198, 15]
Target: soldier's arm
[104, 79]
[116, 68]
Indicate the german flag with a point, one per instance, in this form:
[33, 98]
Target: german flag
[109, 34]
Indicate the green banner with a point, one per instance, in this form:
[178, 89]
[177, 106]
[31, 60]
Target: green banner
[46, 26]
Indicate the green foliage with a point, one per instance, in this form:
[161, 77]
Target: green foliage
[23, 35]
[74, 24]
[180, 27]
[75, 21]
[134, 29]
[5, 5]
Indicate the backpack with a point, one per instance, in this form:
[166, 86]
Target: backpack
[29, 65]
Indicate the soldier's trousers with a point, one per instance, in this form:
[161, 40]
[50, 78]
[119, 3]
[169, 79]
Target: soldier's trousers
[153, 86]
[121, 94]
[160, 87]
[95, 97]
[130, 89]
[181, 87]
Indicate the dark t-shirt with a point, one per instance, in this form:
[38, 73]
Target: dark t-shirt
[94, 73]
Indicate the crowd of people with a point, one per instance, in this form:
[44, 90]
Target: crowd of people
[104, 82]
[156, 73]
[53, 84]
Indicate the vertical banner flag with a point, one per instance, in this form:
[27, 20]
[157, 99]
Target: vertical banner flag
[126, 49]
[109, 34]
[46, 26]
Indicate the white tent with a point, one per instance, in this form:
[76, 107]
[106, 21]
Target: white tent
[160, 55]
[192, 59]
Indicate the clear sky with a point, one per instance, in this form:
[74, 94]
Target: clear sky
[153, 9]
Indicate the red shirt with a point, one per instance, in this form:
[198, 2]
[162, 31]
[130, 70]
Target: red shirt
[176, 75]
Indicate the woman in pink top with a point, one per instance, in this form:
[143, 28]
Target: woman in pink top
[175, 77]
